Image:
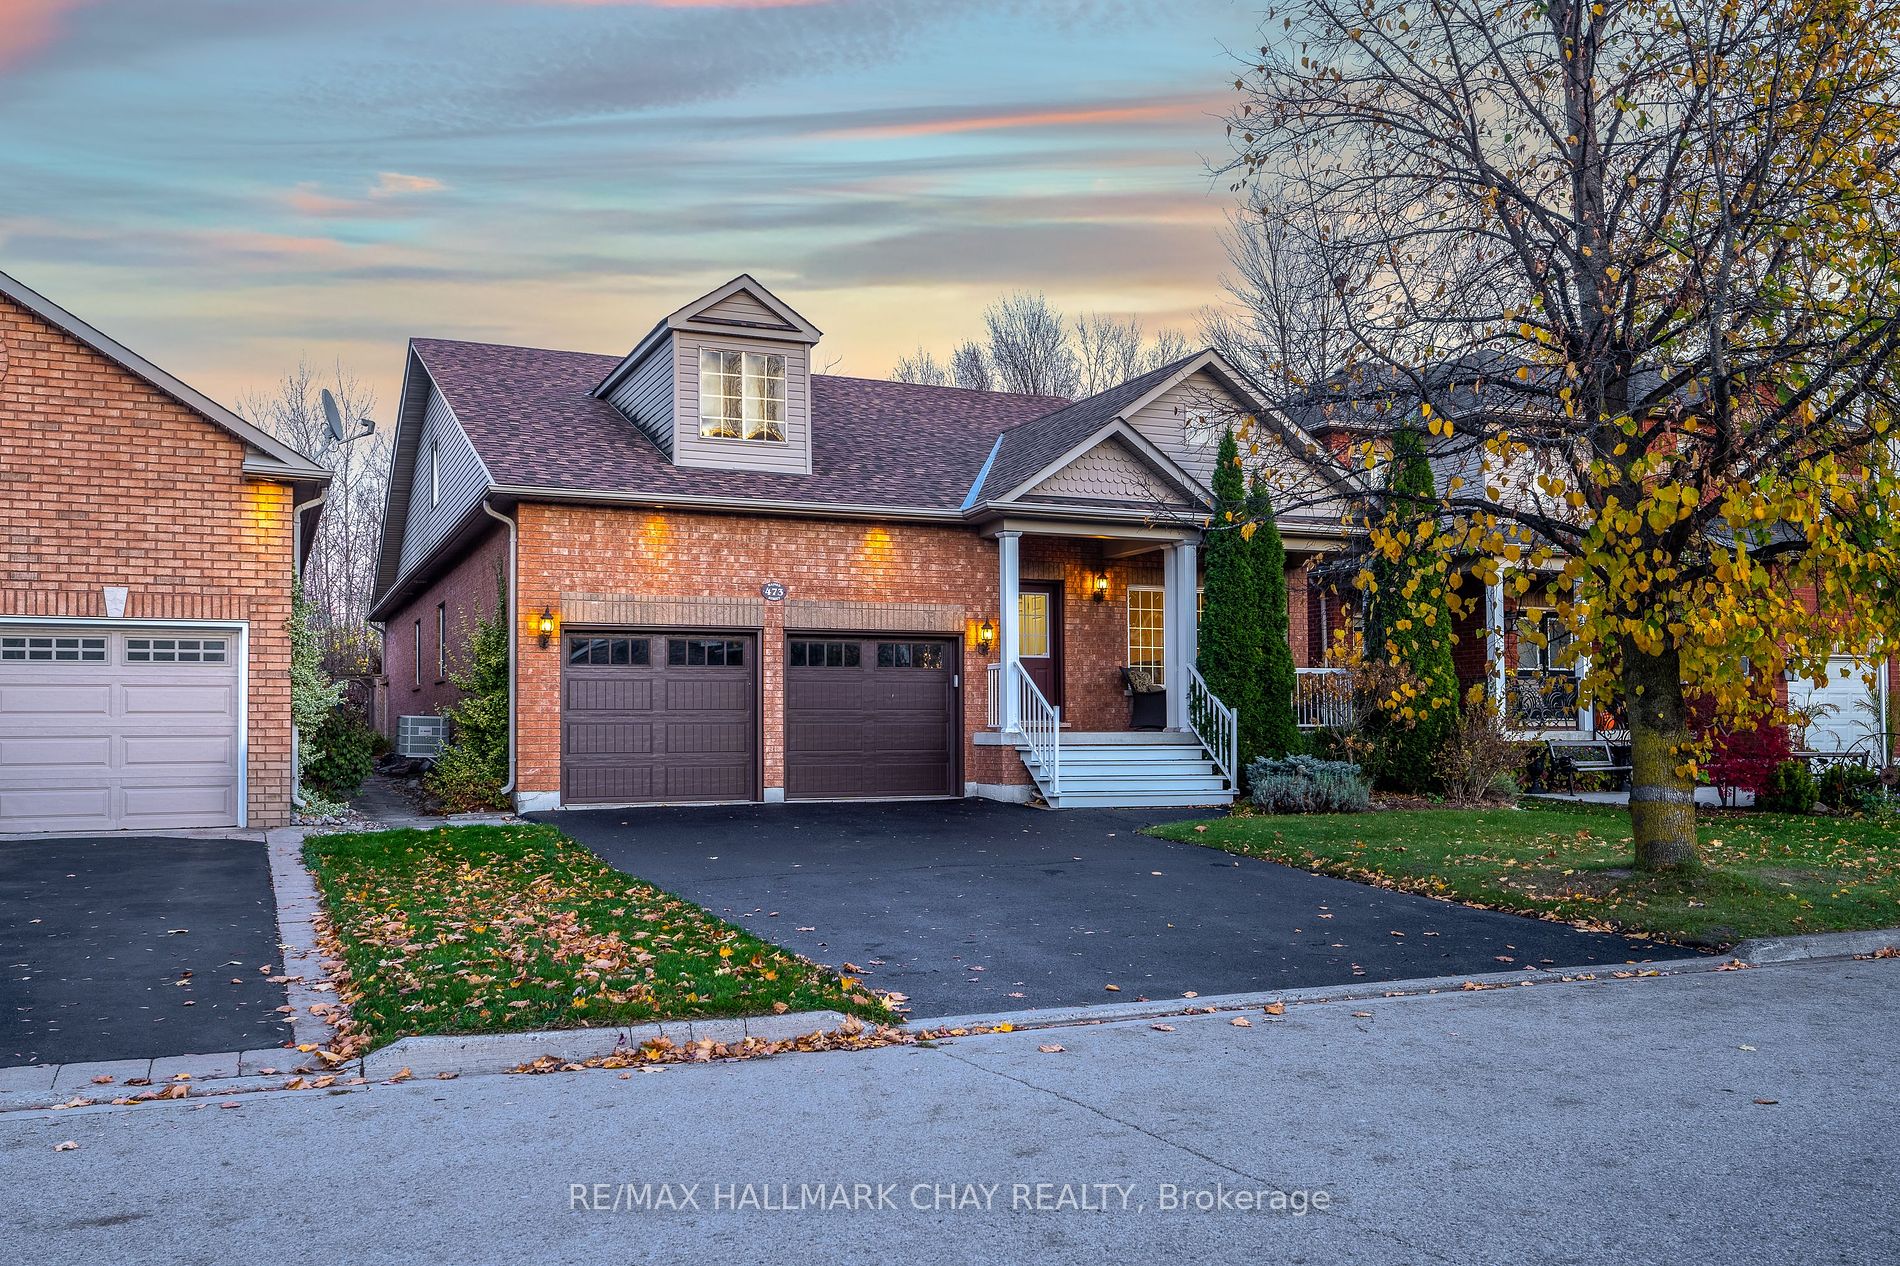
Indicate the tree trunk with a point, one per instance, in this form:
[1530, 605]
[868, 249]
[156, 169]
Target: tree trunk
[1662, 801]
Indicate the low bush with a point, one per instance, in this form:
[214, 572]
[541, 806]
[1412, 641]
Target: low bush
[343, 749]
[1477, 753]
[1790, 789]
[1303, 784]
[1850, 788]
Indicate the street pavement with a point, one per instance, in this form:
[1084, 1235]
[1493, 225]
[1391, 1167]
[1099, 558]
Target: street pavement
[1731, 1117]
[969, 906]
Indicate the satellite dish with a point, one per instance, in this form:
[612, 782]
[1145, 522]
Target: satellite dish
[334, 417]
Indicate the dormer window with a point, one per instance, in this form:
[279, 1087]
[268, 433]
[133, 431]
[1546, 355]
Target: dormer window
[741, 395]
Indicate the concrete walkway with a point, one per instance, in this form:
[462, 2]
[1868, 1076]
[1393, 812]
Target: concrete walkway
[1739, 1117]
[1705, 797]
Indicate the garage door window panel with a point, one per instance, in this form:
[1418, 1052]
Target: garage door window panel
[174, 650]
[702, 652]
[610, 652]
[53, 649]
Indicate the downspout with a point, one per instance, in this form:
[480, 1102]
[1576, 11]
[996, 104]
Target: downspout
[514, 630]
[296, 571]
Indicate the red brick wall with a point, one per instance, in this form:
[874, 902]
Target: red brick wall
[467, 592]
[106, 481]
[575, 549]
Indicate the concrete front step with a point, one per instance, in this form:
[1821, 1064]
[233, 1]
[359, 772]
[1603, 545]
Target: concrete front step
[1141, 800]
[1209, 784]
[1133, 756]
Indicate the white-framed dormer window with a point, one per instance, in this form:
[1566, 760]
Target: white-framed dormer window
[435, 472]
[741, 395]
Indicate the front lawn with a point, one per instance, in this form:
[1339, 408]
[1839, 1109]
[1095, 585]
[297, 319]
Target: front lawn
[481, 929]
[1767, 874]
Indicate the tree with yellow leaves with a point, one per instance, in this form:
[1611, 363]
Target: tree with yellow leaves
[1634, 266]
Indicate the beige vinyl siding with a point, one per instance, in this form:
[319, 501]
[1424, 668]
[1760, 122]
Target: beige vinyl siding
[1164, 422]
[463, 481]
[741, 305]
[792, 456]
[646, 395]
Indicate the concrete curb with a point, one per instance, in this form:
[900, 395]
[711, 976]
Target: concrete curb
[480, 1053]
[1159, 1008]
[1790, 949]
[297, 909]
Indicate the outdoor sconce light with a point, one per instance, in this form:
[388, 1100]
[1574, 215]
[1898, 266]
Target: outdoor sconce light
[545, 626]
[1099, 589]
[985, 637]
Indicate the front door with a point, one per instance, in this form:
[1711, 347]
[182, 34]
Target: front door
[1040, 605]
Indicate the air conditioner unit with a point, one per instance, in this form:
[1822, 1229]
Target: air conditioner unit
[420, 737]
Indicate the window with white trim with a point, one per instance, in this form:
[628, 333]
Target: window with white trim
[441, 641]
[1147, 645]
[416, 663]
[741, 395]
[53, 648]
[174, 650]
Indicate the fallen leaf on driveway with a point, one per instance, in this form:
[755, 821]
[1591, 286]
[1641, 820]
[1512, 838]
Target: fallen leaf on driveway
[1275, 1008]
[1162, 1028]
[1003, 1028]
[67, 1146]
[1362, 1015]
[1767, 1101]
[1190, 994]
[1242, 1022]
[102, 1080]
[1050, 1048]
[1113, 988]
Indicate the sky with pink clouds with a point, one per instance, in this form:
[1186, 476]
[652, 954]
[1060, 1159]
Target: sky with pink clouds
[228, 185]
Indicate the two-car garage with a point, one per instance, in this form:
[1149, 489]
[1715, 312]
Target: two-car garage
[669, 717]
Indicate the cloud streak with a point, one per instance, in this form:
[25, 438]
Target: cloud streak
[28, 27]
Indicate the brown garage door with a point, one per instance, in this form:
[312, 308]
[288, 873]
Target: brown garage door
[103, 729]
[659, 717]
[870, 717]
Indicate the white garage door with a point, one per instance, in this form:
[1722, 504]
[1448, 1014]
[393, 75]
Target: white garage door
[117, 729]
[1840, 712]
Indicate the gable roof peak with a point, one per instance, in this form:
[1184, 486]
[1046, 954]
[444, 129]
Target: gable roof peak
[273, 457]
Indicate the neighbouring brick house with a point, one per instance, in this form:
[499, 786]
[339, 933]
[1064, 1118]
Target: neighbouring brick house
[147, 537]
[736, 579]
[1537, 679]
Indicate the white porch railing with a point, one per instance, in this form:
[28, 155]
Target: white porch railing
[1042, 730]
[993, 692]
[1215, 724]
[1322, 698]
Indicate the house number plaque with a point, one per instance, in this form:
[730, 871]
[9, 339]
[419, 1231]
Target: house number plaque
[772, 591]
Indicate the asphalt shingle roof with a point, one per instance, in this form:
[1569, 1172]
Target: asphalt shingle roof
[1034, 444]
[531, 417]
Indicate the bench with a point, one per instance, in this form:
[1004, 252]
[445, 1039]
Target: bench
[1571, 757]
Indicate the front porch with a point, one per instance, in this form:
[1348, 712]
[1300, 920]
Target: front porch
[1094, 685]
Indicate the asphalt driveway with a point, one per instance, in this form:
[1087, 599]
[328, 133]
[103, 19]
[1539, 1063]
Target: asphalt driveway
[974, 906]
[115, 948]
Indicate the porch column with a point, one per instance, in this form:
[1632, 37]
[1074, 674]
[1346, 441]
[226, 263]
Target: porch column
[1009, 626]
[1495, 667]
[1173, 637]
[1190, 603]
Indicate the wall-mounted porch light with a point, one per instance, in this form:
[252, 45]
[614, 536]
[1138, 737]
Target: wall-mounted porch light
[985, 637]
[1098, 588]
[545, 626]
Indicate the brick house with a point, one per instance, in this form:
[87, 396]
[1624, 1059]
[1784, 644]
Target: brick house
[732, 578]
[146, 559]
[1537, 679]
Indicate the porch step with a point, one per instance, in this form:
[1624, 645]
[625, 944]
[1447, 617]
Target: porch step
[1130, 771]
